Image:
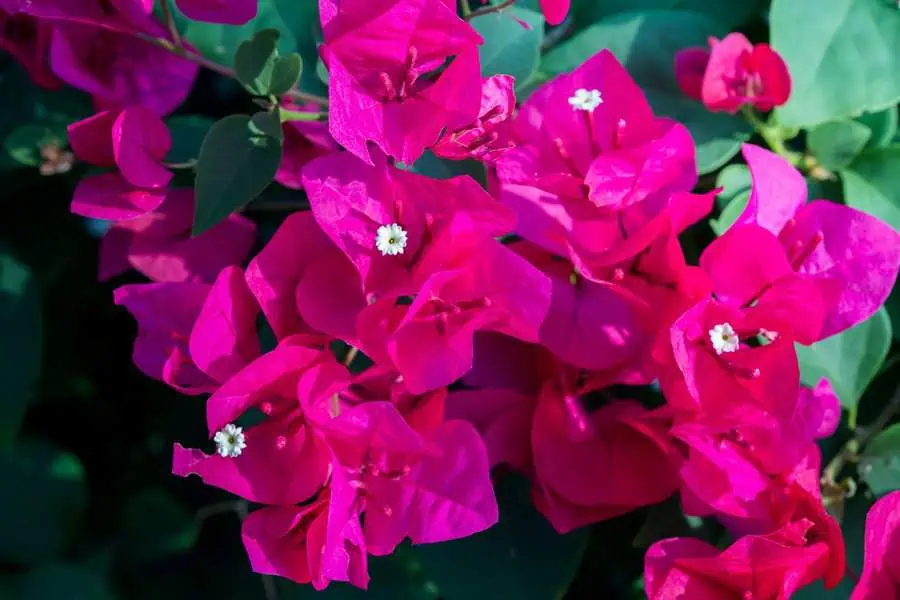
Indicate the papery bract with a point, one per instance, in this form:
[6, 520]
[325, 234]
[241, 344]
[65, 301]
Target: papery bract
[880, 577]
[489, 135]
[380, 56]
[228, 12]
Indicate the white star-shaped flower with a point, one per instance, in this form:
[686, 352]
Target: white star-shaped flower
[586, 100]
[230, 441]
[724, 339]
[390, 239]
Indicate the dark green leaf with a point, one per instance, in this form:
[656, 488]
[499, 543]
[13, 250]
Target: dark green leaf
[837, 143]
[187, 132]
[646, 43]
[880, 463]
[42, 490]
[285, 74]
[849, 360]
[512, 42]
[267, 124]
[872, 184]
[156, 525]
[255, 60]
[20, 342]
[437, 168]
[841, 55]
[520, 557]
[63, 582]
[727, 14]
[735, 183]
[235, 165]
[24, 143]
[882, 124]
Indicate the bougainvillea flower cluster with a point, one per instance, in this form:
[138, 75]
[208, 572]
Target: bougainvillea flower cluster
[383, 351]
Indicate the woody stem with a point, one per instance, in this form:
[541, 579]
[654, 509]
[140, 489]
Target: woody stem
[863, 436]
[204, 62]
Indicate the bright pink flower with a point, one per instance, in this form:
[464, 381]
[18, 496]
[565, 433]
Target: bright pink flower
[166, 313]
[555, 11]
[135, 140]
[380, 57]
[853, 257]
[28, 40]
[594, 166]
[469, 282]
[880, 579]
[228, 12]
[488, 136]
[353, 202]
[158, 242]
[118, 69]
[304, 283]
[733, 73]
[303, 142]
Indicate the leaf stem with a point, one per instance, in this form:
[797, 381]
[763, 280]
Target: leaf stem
[772, 134]
[296, 115]
[204, 62]
[465, 8]
[850, 451]
[351, 354]
[489, 9]
[170, 24]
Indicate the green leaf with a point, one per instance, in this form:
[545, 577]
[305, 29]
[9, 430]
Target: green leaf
[24, 143]
[872, 184]
[509, 46]
[62, 581]
[880, 463]
[646, 43]
[254, 61]
[187, 133]
[735, 182]
[20, 342]
[267, 124]
[849, 360]
[285, 74]
[42, 489]
[882, 124]
[727, 14]
[234, 166]
[841, 54]
[156, 525]
[837, 143]
[729, 214]
[438, 168]
[520, 557]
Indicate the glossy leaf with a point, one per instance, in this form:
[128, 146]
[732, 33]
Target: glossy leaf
[235, 165]
[255, 59]
[837, 143]
[512, 42]
[880, 463]
[872, 184]
[849, 360]
[839, 53]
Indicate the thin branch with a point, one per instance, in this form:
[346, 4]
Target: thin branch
[864, 435]
[170, 24]
[489, 9]
[351, 354]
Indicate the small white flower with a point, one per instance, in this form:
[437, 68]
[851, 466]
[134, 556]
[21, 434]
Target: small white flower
[586, 100]
[230, 441]
[724, 339]
[390, 239]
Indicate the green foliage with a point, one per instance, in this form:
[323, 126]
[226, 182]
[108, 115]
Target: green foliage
[187, 133]
[880, 463]
[841, 55]
[237, 161]
[646, 43]
[43, 495]
[735, 183]
[872, 184]
[837, 143]
[882, 124]
[512, 42]
[727, 14]
[520, 557]
[849, 360]
[259, 67]
[155, 525]
[20, 342]
[61, 580]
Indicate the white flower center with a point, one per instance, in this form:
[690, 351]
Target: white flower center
[230, 441]
[724, 339]
[586, 99]
[390, 239]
